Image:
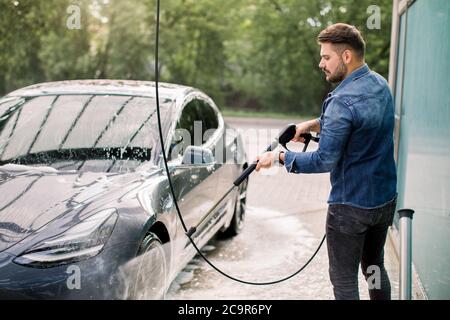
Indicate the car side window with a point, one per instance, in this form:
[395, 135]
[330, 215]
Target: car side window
[184, 132]
[195, 115]
[188, 118]
[210, 121]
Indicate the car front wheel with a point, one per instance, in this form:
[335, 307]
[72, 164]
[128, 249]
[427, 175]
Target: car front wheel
[147, 273]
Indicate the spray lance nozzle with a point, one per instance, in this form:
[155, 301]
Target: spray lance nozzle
[285, 135]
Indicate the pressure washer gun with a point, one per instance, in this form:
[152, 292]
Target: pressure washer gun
[285, 135]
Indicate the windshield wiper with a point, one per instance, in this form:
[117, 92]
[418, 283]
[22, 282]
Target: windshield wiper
[82, 154]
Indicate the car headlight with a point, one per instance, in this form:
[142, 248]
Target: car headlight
[84, 240]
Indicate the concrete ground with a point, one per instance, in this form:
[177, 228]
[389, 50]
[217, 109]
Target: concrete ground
[284, 225]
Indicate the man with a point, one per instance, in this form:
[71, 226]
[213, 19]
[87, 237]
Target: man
[356, 147]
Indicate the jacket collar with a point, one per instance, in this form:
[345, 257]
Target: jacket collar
[356, 74]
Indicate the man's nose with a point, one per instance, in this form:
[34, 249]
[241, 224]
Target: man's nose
[321, 64]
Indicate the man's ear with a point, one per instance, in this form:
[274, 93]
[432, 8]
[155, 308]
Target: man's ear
[347, 56]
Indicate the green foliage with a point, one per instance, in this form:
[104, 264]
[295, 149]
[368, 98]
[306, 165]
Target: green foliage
[246, 54]
[280, 38]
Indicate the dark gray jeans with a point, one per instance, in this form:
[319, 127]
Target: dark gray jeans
[357, 236]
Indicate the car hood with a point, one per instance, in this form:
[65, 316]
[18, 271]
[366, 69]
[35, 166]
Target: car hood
[30, 200]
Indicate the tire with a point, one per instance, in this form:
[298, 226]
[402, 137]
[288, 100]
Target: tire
[148, 274]
[237, 222]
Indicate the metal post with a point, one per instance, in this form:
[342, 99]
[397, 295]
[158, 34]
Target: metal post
[406, 216]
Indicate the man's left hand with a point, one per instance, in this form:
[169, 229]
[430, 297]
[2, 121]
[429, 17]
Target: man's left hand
[265, 161]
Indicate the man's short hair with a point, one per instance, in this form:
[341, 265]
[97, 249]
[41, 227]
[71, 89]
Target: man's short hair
[344, 36]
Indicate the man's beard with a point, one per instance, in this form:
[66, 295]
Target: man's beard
[339, 74]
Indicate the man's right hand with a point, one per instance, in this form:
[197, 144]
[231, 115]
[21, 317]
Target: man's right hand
[305, 127]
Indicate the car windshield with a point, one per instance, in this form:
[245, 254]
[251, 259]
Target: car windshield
[106, 133]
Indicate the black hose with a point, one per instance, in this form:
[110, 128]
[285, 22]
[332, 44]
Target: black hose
[171, 185]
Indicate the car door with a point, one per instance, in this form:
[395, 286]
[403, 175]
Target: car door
[220, 144]
[230, 168]
[195, 185]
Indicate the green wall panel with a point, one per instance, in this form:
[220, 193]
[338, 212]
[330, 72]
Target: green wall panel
[424, 149]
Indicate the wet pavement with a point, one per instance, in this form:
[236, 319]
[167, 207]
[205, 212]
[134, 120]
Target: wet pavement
[285, 223]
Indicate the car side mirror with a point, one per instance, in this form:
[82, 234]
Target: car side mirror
[195, 155]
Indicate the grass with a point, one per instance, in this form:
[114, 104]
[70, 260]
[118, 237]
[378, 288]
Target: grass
[262, 114]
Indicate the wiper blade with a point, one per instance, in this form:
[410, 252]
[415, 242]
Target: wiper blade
[82, 154]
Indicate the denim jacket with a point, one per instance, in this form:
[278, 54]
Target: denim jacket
[356, 142]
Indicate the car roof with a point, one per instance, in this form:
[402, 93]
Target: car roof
[119, 87]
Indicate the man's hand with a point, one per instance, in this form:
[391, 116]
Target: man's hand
[265, 160]
[306, 127]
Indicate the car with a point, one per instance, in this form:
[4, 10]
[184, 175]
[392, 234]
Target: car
[86, 210]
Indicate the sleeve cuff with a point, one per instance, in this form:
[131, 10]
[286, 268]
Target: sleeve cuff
[289, 159]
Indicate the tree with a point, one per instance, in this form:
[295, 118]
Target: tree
[257, 54]
[280, 62]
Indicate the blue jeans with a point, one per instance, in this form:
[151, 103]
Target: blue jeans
[357, 236]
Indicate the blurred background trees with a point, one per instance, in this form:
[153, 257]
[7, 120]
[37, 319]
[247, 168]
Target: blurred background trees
[258, 55]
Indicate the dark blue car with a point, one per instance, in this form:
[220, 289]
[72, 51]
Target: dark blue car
[85, 206]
